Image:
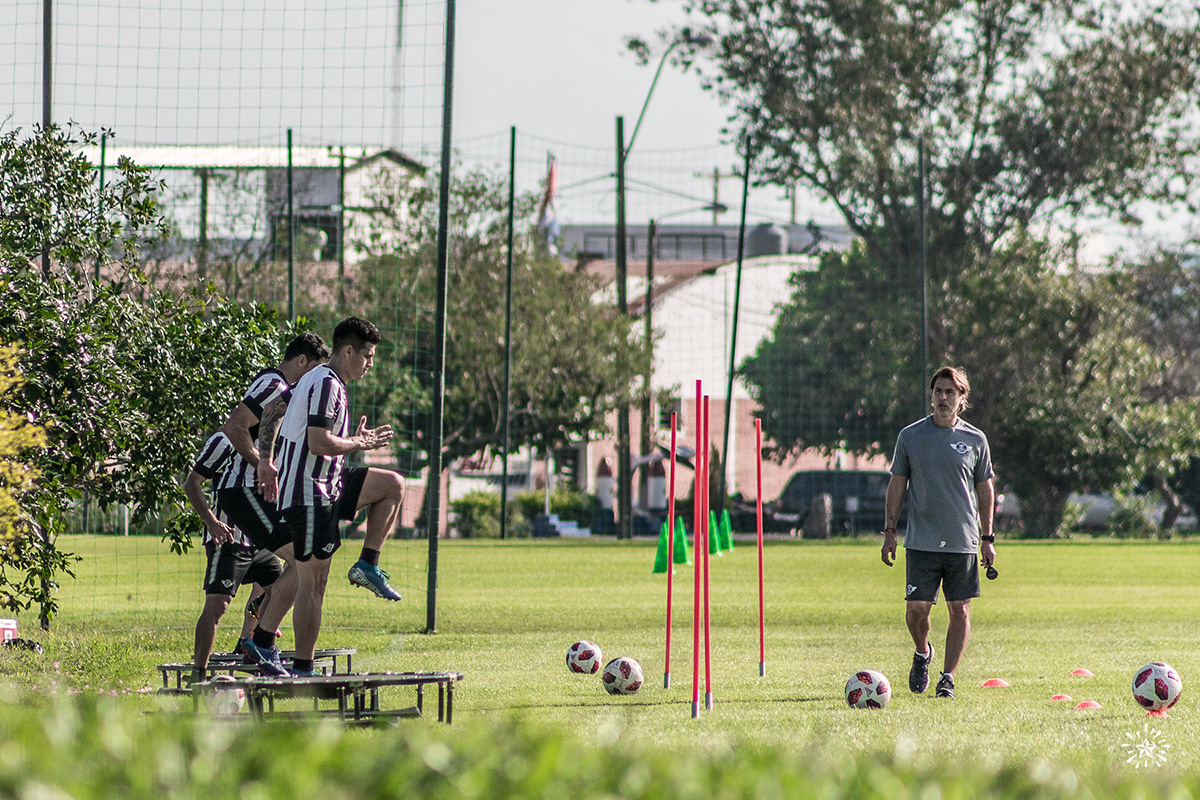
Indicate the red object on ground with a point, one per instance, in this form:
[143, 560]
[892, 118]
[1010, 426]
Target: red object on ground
[995, 683]
[1088, 704]
[1082, 673]
[1162, 712]
[1061, 697]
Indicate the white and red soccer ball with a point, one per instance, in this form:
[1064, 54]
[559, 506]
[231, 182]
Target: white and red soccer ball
[584, 657]
[226, 701]
[622, 676]
[1157, 686]
[868, 689]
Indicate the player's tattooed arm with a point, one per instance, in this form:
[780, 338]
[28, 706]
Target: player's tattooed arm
[268, 431]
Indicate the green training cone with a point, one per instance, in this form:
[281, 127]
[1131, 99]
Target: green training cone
[714, 535]
[680, 550]
[660, 556]
[726, 531]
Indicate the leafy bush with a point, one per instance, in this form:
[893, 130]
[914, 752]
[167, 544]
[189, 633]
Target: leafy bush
[90, 749]
[567, 502]
[17, 436]
[125, 387]
[1132, 516]
[1072, 516]
[477, 513]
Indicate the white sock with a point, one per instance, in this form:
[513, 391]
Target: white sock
[928, 654]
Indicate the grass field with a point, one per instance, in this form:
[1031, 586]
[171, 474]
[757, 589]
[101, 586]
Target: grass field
[509, 610]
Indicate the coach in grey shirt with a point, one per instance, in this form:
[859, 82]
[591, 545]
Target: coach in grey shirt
[945, 466]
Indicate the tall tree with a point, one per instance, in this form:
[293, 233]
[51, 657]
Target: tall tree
[1063, 383]
[573, 357]
[1030, 110]
[1034, 116]
[124, 389]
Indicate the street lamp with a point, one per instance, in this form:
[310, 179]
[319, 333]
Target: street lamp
[624, 470]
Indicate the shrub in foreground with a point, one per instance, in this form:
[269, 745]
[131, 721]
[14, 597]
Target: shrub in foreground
[84, 749]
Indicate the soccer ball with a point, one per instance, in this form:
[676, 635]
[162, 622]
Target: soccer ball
[868, 689]
[1156, 686]
[622, 676]
[584, 657]
[227, 701]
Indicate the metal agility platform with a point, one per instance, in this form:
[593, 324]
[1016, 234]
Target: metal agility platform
[325, 661]
[357, 696]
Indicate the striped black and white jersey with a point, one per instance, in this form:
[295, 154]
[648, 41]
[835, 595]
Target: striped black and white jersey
[267, 387]
[212, 462]
[305, 479]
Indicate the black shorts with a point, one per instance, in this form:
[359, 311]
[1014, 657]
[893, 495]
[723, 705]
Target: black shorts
[315, 528]
[232, 565]
[956, 573]
[259, 520]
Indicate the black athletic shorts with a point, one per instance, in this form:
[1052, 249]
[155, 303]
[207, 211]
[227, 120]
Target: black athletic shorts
[233, 565]
[956, 573]
[259, 520]
[315, 528]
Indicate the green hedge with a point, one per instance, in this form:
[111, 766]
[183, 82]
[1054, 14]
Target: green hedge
[87, 750]
[477, 513]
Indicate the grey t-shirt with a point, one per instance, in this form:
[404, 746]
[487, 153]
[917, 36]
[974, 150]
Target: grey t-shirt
[942, 466]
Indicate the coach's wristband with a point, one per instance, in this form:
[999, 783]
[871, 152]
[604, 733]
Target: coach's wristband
[990, 538]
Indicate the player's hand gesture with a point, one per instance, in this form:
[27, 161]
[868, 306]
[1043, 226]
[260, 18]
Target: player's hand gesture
[220, 532]
[372, 438]
[268, 480]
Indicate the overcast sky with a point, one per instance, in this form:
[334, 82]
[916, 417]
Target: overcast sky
[561, 70]
[206, 72]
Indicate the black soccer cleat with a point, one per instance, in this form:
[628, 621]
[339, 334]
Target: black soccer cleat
[918, 676]
[945, 686]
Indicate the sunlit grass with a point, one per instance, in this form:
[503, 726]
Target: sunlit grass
[507, 611]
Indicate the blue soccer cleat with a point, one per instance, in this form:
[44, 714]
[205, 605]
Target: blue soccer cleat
[371, 577]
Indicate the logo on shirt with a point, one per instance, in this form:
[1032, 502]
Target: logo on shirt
[962, 448]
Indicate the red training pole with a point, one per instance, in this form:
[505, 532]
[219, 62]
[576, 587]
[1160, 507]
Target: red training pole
[696, 539]
[762, 640]
[708, 692]
[670, 555]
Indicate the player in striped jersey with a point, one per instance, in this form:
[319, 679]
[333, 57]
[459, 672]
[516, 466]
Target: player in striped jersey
[316, 489]
[242, 500]
[231, 560]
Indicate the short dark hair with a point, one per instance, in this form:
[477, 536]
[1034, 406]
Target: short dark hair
[307, 344]
[355, 331]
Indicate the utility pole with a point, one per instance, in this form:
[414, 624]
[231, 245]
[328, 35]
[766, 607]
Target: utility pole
[716, 175]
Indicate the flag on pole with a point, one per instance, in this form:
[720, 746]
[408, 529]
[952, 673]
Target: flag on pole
[548, 209]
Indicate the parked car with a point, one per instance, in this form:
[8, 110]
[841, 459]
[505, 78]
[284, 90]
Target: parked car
[1097, 507]
[859, 499]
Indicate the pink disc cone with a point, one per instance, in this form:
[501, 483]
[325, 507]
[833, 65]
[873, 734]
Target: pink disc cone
[1088, 704]
[1061, 697]
[1082, 673]
[995, 683]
